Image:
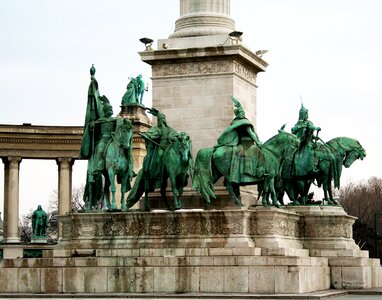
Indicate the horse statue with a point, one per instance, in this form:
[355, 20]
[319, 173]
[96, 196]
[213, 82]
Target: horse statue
[330, 157]
[118, 163]
[211, 165]
[176, 166]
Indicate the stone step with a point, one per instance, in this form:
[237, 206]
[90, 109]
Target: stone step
[339, 253]
[267, 279]
[165, 261]
[354, 262]
[285, 252]
[162, 252]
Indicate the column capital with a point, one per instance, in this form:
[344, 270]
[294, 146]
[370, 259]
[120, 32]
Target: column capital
[9, 159]
[65, 162]
[12, 162]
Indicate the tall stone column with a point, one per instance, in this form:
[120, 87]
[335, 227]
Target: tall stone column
[11, 199]
[203, 17]
[196, 70]
[64, 187]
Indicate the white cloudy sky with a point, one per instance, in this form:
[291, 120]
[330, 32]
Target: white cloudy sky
[327, 51]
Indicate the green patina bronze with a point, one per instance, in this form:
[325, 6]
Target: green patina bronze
[168, 156]
[107, 144]
[240, 158]
[135, 90]
[314, 159]
[39, 222]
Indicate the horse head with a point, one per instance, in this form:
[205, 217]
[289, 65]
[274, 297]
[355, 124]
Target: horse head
[355, 152]
[123, 134]
[182, 144]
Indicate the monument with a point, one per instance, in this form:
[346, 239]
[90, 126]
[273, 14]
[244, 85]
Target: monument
[196, 70]
[245, 249]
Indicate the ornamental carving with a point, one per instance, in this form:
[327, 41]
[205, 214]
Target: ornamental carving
[284, 227]
[67, 230]
[245, 72]
[192, 68]
[339, 230]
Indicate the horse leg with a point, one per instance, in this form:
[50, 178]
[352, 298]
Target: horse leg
[334, 202]
[163, 193]
[123, 191]
[174, 190]
[112, 188]
[266, 192]
[234, 192]
[275, 202]
[181, 183]
[325, 188]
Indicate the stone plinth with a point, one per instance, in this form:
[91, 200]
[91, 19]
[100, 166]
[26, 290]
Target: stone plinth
[158, 229]
[259, 250]
[328, 231]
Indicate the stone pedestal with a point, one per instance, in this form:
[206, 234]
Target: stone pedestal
[39, 240]
[259, 250]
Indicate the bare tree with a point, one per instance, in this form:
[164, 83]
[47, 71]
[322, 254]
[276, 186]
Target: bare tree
[363, 200]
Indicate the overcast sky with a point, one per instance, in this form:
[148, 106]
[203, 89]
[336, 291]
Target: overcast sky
[327, 51]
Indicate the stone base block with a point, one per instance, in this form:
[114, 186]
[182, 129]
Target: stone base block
[218, 271]
[9, 253]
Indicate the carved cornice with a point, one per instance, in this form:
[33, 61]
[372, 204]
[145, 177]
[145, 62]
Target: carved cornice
[38, 141]
[192, 68]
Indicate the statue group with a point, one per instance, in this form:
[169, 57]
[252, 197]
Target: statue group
[286, 163]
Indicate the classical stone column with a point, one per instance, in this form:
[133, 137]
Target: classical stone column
[11, 199]
[203, 17]
[64, 187]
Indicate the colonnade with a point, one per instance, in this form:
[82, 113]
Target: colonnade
[11, 194]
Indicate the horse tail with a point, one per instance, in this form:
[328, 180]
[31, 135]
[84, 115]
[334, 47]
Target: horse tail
[203, 179]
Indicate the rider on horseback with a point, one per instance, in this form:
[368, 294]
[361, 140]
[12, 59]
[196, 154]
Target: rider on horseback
[305, 159]
[101, 130]
[246, 146]
[157, 138]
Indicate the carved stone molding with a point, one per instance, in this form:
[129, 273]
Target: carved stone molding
[244, 72]
[192, 68]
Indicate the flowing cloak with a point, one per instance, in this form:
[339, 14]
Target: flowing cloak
[130, 96]
[246, 159]
[94, 111]
[230, 136]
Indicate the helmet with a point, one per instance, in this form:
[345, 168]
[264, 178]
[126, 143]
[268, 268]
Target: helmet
[303, 112]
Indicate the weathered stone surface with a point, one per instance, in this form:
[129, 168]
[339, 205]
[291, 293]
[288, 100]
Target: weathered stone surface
[10, 284]
[51, 280]
[28, 280]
